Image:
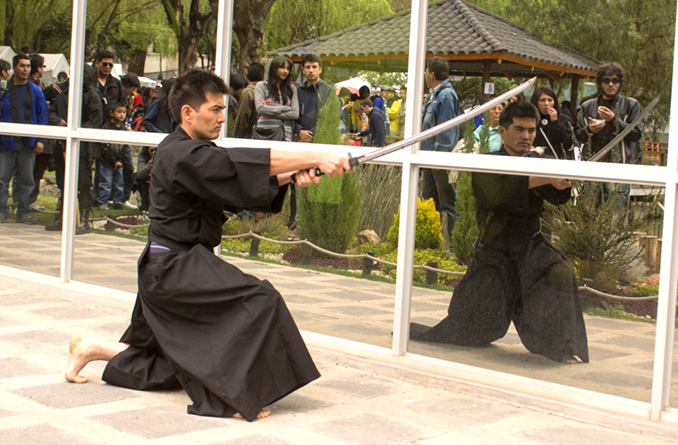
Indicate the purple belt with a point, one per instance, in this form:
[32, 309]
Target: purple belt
[158, 248]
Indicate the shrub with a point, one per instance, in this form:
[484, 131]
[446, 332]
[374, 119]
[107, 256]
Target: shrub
[645, 290]
[329, 212]
[381, 197]
[422, 257]
[595, 237]
[427, 235]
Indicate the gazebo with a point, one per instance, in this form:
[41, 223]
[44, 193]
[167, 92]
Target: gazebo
[474, 41]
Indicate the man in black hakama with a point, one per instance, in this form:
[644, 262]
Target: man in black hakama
[199, 323]
[515, 275]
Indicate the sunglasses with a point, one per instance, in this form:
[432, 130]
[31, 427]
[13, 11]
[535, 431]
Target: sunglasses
[107, 64]
[613, 80]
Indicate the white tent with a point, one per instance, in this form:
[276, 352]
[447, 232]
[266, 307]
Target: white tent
[146, 82]
[6, 53]
[353, 84]
[54, 64]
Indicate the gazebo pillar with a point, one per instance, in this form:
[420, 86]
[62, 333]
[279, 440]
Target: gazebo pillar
[574, 92]
[487, 76]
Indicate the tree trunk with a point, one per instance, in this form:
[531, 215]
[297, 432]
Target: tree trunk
[188, 50]
[248, 25]
[137, 63]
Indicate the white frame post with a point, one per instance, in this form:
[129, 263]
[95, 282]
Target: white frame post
[72, 144]
[408, 192]
[666, 306]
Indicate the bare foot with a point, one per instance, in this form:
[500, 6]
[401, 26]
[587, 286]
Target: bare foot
[77, 359]
[262, 414]
[85, 350]
[569, 360]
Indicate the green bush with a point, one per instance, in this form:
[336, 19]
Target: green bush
[379, 250]
[427, 235]
[422, 257]
[645, 290]
[329, 212]
[381, 196]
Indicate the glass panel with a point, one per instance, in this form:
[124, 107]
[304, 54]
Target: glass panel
[520, 295]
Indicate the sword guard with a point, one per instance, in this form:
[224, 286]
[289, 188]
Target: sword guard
[354, 162]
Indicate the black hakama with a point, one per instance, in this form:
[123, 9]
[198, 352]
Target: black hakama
[199, 323]
[515, 275]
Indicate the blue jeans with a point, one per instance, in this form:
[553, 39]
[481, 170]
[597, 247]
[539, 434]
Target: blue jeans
[111, 184]
[19, 162]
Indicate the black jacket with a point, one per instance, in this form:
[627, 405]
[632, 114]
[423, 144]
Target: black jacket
[559, 135]
[626, 109]
[376, 128]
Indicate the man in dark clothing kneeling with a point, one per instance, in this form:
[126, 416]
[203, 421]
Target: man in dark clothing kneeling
[516, 275]
[199, 323]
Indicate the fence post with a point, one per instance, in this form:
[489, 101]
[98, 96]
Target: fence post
[431, 276]
[306, 253]
[367, 264]
[254, 246]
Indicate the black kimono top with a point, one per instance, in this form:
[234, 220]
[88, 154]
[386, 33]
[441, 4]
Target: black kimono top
[507, 211]
[194, 181]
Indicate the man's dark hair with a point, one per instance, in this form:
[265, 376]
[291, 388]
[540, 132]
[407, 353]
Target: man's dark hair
[104, 54]
[237, 81]
[21, 56]
[366, 102]
[518, 110]
[609, 70]
[110, 108]
[130, 80]
[37, 61]
[4, 65]
[438, 67]
[256, 72]
[310, 57]
[192, 88]
[62, 76]
[545, 89]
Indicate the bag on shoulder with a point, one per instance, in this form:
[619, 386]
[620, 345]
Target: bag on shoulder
[269, 134]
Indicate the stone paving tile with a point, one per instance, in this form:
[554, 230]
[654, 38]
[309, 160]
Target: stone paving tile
[363, 386]
[619, 379]
[370, 429]
[69, 312]
[166, 421]
[579, 434]
[599, 354]
[356, 311]
[64, 395]
[353, 296]
[256, 439]
[298, 404]
[38, 338]
[466, 411]
[41, 435]
[19, 298]
[6, 413]
[11, 367]
[301, 299]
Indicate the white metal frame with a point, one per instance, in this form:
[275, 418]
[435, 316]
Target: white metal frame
[411, 160]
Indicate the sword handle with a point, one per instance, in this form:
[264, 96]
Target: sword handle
[293, 178]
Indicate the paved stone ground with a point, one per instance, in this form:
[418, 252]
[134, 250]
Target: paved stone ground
[347, 405]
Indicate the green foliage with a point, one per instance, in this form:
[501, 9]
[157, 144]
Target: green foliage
[393, 80]
[645, 290]
[379, 250]
[638, 34]
[465, 229]
[594, 235]
[469, 89]
[616, 311]
[381, 196]
[428, 235]
[329, 212]
[484, 134]
[423, 257]
[294, 21]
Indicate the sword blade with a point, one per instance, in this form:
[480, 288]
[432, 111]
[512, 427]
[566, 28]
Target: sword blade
[434, 131]
[603, 151]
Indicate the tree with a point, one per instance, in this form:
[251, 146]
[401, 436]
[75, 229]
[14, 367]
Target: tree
[24, 21]
[294, 21]
[189, 26]
[248, 26]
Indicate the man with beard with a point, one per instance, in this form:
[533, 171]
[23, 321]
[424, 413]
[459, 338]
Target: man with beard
[605, 116]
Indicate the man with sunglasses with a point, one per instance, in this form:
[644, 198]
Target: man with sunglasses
[603, 117]
[109, 88]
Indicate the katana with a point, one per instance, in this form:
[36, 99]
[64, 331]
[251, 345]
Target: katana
[433, 131]
[440, 128]
[606, 149]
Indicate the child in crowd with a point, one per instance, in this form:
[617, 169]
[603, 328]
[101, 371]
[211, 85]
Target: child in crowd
[109, 158]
